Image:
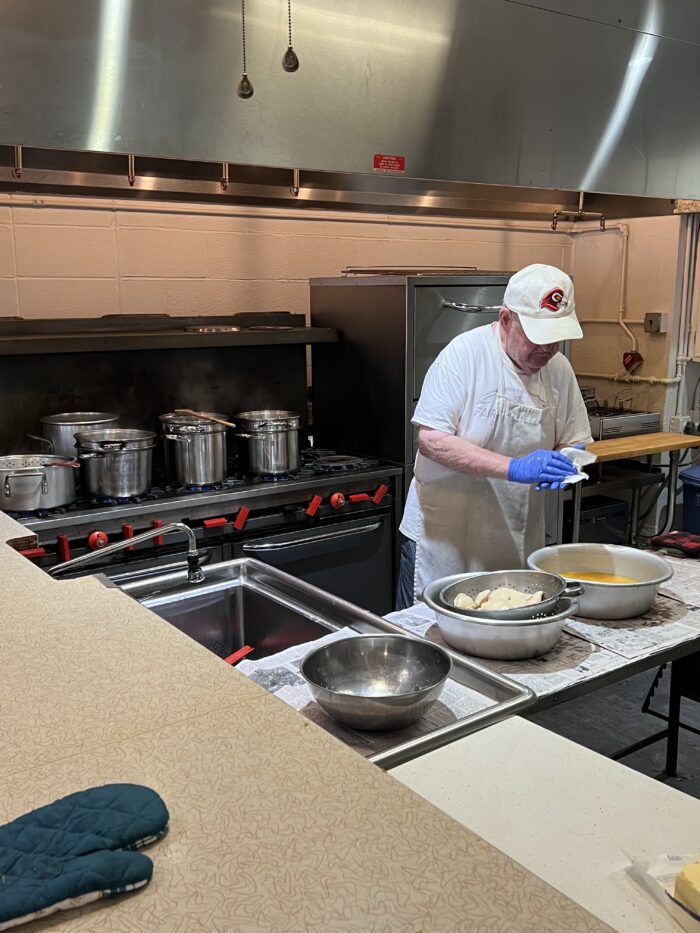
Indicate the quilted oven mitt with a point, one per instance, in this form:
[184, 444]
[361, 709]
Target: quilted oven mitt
[77, 850]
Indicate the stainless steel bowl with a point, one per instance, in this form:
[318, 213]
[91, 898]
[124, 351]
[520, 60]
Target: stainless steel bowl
[554, 589]
[607, 600]
[376, 682]
[506, 640]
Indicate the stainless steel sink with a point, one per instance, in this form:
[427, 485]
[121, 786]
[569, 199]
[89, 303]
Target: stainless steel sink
[245, 602]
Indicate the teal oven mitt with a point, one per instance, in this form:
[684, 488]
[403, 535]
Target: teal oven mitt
[77, 850]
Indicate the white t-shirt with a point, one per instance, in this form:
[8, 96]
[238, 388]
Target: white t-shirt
[458, 395]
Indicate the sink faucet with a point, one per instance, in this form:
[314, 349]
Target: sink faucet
[195, 574]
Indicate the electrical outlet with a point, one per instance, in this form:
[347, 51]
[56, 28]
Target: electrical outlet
[679, 423]
[656, 322]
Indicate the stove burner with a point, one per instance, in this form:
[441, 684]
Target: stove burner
[313, 454]
[339, 464]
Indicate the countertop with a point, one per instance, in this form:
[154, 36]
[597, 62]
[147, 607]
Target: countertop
[568, 813]
[274, 824]
[640, 445]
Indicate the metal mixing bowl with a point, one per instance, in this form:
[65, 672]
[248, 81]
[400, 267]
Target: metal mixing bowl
[552, 587]
[607, 600]
[376, 682]
[505, 640]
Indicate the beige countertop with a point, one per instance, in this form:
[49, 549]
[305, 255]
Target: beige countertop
[572, 816]
[274, 824]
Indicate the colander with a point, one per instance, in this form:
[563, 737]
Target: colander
[554, 588]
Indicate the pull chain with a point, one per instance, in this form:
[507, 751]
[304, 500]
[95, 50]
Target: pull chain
[290, 59]
[245, 86]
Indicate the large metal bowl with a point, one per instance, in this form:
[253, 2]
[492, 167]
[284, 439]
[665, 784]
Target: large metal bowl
[607, 600]
[499, 639]
[553, 588]
[376, 682]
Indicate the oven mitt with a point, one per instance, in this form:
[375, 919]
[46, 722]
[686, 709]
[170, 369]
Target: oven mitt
[76, 850]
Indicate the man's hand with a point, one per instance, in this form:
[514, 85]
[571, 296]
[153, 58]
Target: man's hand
[542, 466]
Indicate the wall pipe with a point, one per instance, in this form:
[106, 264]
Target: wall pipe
[633, 380]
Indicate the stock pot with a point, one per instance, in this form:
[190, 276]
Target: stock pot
[195, 449]
[59, 430]
[117, 462]
[268, 441]
[30, 482]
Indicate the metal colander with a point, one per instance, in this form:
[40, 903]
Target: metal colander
[553, 587]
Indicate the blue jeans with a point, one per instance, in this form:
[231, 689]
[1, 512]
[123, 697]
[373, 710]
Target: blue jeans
[407, 570]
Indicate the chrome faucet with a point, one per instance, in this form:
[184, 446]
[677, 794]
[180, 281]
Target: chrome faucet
[195, 574]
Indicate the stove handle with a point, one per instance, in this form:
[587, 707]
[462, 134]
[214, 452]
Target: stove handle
[302, 542]
[474, 309]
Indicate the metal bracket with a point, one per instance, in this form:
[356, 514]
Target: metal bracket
[579, 214]
[18, 167]
[224, 176]
[296, 183]
[131, 170]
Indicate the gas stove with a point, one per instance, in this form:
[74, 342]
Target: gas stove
[242, 512]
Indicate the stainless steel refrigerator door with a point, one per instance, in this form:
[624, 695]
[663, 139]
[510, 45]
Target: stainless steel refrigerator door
[443, 312]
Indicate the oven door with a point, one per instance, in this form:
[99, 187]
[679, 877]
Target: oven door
[352, 559]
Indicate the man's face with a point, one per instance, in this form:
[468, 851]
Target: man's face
[528, 357]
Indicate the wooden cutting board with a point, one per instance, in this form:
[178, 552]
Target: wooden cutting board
[639, 445]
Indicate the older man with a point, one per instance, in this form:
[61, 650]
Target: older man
[497, 406]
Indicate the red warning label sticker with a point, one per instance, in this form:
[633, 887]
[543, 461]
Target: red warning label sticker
[389, 163]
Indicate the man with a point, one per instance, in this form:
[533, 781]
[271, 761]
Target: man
[497, 405]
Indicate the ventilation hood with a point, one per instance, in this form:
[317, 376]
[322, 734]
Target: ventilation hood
[526, 95]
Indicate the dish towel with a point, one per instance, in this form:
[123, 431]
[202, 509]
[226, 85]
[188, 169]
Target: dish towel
[77, 850]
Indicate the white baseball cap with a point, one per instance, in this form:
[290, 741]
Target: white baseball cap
[543, 298]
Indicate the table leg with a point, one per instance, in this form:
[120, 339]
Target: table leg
[674, 457]
[634, 515]
[576, 522]
[674, 715]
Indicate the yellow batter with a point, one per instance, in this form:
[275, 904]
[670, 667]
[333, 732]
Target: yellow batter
[596, 576]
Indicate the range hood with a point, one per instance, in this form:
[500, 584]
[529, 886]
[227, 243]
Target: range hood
[528, 95]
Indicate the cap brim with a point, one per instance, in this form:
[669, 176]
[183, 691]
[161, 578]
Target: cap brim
[539, 330]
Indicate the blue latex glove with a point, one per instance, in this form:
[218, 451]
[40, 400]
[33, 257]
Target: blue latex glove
[542, 466]
[541, 486]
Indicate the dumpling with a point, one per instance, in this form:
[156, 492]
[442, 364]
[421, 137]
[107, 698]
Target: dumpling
[463, 601]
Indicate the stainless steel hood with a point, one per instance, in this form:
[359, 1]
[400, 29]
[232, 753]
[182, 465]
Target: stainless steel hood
[496, 92]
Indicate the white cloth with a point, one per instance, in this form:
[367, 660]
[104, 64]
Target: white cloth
[473, 390]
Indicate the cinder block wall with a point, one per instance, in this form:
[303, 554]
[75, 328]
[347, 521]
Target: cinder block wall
[62, 257]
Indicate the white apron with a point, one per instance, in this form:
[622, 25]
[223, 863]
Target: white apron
[476, 524]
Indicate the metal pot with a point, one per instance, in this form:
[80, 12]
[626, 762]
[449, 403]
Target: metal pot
[117, 462]
[272, 441]
[607, 600]
[195, 449]
[30, 481]
[495, 638]
[58, 431]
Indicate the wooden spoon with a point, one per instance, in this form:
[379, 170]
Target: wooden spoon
[201, 414]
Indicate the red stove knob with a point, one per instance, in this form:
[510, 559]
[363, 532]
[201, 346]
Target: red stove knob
[337, 500]
[97, 540]
[313, 506]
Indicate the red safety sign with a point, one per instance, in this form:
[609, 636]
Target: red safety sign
[389, 163]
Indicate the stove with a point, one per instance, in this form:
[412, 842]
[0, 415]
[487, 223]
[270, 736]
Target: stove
[333, 523]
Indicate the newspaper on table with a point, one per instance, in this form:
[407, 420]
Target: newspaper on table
[571, 661]
[279, 674]
[668, 622]
[684, 585]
